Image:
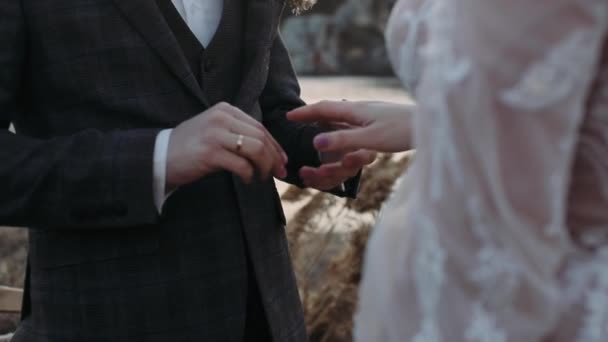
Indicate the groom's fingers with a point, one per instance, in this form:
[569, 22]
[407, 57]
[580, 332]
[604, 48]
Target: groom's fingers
[237, 114]
[250, 148]
[327, 111]
[237, 165]
[249, 130]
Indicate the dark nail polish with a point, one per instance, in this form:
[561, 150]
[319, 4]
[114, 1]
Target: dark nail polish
[321, 141]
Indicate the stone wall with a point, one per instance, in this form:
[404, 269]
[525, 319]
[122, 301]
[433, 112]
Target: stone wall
[340, 37]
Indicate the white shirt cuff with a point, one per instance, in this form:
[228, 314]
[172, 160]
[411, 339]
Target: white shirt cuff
[161, 148]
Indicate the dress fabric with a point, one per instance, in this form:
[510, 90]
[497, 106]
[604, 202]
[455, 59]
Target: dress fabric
[499, 230]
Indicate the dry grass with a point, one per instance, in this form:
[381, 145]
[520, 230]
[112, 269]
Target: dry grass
[330, 310]
[13, 255]
[328, 238]
[295, 194]
[377, 183]
[299, 6]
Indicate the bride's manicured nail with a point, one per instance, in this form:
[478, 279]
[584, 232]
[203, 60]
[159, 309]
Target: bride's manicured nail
[285, 158]
[321, 141]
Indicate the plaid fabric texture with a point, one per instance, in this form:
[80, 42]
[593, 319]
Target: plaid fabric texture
[88, 85]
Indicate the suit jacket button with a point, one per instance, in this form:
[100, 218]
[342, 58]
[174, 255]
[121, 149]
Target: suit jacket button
[208, 65]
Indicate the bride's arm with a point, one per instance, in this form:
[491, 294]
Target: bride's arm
[500, 105]
[378, 126]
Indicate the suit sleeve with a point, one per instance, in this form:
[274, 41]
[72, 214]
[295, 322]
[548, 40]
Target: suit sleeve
[281, 95]
[91, 179]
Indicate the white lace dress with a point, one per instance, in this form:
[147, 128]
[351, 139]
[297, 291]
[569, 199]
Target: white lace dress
[499, 231]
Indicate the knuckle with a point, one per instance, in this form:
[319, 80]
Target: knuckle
[242, 165]
[211, 138]
[223, 106]
[213, 115]
[247, 170]
[218, 118]
[212, 159]
[260, 135]
[207, 150]
[268, 165]
[257, 147]
[205, 156]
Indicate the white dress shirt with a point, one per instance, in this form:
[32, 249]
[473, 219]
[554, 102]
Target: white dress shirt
[203, 17]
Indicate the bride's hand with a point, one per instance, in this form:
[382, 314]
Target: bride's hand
[379, 126]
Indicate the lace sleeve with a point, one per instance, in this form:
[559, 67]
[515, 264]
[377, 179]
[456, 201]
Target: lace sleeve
[407, 28]
[501, 104]
[501, 99]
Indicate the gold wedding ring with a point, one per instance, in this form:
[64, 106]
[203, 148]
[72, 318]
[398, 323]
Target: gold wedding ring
[239, 143]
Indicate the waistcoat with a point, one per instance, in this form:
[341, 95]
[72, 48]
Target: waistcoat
[218, 67]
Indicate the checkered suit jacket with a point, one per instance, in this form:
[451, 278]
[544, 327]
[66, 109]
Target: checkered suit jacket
[88, 84]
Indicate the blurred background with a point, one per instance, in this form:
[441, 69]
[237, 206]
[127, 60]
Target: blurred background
[339, 37]
[338, 49]
[339, 52]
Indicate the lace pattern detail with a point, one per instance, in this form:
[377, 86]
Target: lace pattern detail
[496, 272]
[551, 80]
[483, 327]
[595, 321]
[444, 65]
[446, 70]
[429, 275]
[408, 62]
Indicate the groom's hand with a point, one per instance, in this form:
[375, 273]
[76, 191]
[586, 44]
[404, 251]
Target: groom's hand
[331, 175]
[222, 138]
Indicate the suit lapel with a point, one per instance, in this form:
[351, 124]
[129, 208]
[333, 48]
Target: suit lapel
[146, 18]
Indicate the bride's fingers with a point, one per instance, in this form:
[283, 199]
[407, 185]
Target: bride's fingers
[359, 159]
[334, 126]
[336, 171]
[315, 178]
[327, 111]
[345, 140]
[348, 166]
[310, 177]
